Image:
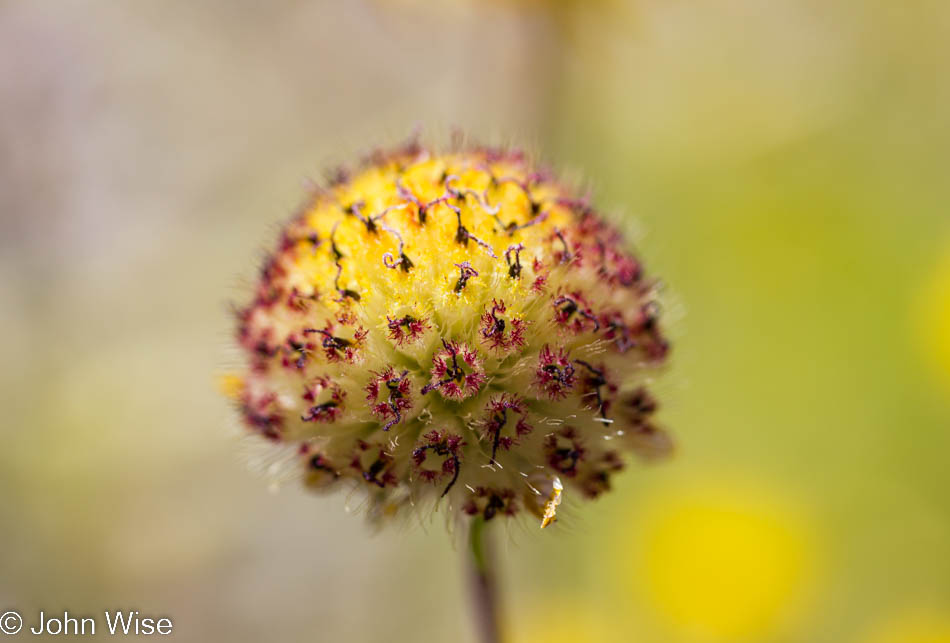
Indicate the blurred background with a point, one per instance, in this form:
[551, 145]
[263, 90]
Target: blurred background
[783, 166]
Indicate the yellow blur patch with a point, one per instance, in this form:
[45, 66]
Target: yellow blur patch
[933, 318]
[230, 385]
[727, 564]
[912, 627]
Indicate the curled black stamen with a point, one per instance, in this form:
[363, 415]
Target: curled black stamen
[395, 394]
[589, 316]
[597, 381]
[563, 376]
[462, 235]
[525, 187]
[407, 194]
[344, 292]
[316, 411]
[337, 255]
[393, 422]
[500, 420]
[455, 476]
[494, 504]
[367, 221]
[454, 373]
[443, 450]
[298, 347]
[570, 307]
[567, 453]
[596, 371]
[567, 251]
[512, 228]
[624, 343]
[424, 207]
[497, 326]
[403, 261]
[466, 272]
[319, 463]
[437, 385]
[374, 470]
[382, 214]
[329, 341]
[483, 244]
[480, 198]
[514, 269]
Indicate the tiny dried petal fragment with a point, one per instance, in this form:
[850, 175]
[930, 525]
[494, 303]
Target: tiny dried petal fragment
[553, 502]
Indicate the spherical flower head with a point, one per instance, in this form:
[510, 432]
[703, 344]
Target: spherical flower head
[452, 330]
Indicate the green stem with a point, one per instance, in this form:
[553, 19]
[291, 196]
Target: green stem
[484, 591]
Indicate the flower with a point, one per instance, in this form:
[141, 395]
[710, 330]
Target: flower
[454, 329]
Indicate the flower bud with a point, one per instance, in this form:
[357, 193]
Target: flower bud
[456, 330]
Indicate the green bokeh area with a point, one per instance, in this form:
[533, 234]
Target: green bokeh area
[780, 166]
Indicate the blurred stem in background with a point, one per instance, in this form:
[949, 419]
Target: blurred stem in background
[484, 588]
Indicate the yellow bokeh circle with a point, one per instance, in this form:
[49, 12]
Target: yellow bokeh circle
[723, 563]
